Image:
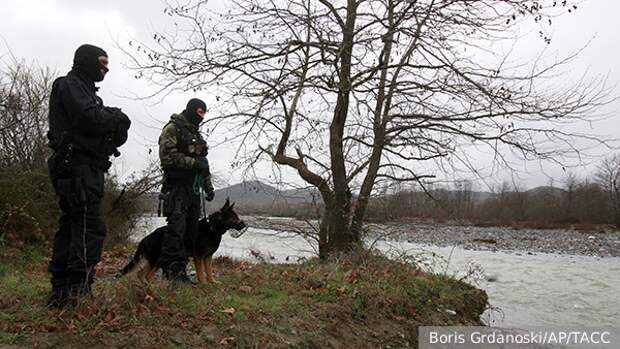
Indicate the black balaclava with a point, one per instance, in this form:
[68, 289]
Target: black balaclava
[86, 62]
[190, 110]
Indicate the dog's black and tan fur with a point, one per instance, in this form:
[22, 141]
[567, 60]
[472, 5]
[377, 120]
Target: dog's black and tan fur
[202, 246]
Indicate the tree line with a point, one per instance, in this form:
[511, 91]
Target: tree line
[580, 202]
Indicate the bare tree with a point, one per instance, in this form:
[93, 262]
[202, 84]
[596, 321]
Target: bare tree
[608, 177]
[24, 90]
[350, 93]
[571, 184]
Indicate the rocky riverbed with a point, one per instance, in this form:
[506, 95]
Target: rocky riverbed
[520, 241]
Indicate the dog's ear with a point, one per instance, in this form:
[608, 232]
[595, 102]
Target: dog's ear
[231, 206]
[226, 204]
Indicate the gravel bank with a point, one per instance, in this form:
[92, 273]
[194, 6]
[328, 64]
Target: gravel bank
[602, 244]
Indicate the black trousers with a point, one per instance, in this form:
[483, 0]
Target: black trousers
[78, 242]
[182, 210]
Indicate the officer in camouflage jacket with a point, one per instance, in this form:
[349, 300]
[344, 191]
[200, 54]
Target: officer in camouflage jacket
[182, 152]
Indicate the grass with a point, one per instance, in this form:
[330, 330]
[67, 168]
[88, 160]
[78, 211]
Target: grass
[360, 301]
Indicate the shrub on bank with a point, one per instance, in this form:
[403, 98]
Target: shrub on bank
[29, 211]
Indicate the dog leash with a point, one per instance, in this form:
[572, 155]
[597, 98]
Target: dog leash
[203, 204]
[197, 189]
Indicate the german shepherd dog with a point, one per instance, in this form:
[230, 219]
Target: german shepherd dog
[204, 244]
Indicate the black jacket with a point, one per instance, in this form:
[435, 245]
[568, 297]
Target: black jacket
[75, 111]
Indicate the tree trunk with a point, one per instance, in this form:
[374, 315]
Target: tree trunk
[323, 246]
[335, 234]
[336, 217]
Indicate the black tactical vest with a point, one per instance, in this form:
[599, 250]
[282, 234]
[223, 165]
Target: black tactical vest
[190, 143]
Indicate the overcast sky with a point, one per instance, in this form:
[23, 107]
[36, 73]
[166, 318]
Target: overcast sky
[48, 32]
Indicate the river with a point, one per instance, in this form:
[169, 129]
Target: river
[524, 289]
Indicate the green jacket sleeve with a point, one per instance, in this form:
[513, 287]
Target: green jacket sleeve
[169, 154]
[207, 185]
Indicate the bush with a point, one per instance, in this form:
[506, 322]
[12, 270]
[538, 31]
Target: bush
[29, 210]
[27, 206]
[122, 208]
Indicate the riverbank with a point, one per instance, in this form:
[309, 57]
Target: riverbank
[603, 243]
[361, 301]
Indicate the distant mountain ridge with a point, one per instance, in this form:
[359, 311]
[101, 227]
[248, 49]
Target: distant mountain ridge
[252, 195]
[259, 194]
[262, 193]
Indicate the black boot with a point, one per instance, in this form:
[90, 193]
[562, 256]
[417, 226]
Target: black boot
[60, 291]
[58, 298]
[176, 274]
[79, 287]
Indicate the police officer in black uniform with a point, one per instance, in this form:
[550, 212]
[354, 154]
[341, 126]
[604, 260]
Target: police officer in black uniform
[83, 133]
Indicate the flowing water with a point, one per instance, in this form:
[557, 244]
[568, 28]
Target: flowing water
[527, 290]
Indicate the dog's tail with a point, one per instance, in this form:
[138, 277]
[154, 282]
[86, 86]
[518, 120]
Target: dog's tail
[133, 263]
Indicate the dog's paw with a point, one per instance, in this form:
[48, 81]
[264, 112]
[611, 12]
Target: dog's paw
[213, 281]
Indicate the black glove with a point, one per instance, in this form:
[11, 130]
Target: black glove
[122, 126]
[209, 195]
[122, 120]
